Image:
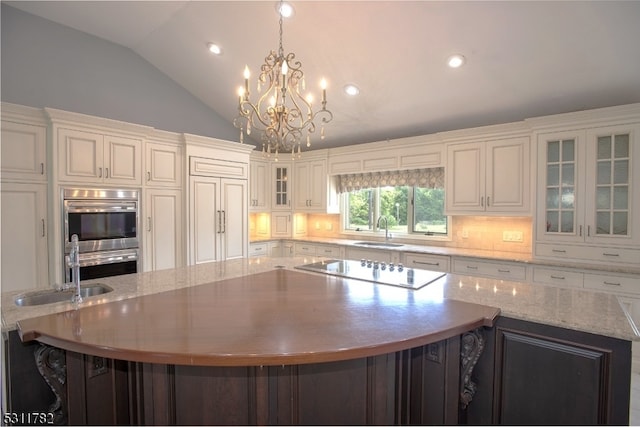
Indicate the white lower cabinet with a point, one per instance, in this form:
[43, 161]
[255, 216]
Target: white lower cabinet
[218, 219]
[259, 249]
[497, 270]
[372, 254]
[427, 262]
[163, 229]
[562, 277]
[313, 249]
[25, 262]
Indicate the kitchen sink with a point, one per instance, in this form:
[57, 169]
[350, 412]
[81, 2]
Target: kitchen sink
[379, 244]
[50, 296]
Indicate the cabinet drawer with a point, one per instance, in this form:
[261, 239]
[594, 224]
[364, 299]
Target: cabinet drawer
[612, 283]
[328, 251]
[427, 262]
[258, 249]
[591, 253]
[504, 271]
[555, 277]
[305, 249]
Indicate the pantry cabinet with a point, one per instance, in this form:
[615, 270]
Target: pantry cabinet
[587, 194]
[218, 219]
[163, 229]
[24, 236]
[218, 199]
[24, 262]
[87, 157]
[488, 177]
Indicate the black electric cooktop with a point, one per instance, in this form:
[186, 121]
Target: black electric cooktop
[376, 272]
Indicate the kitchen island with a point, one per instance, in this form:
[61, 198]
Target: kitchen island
[256, 341]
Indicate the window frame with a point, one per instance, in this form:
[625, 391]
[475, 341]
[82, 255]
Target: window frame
[375, 231]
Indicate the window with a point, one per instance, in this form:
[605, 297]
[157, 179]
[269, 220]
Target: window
[408, 210]
[412, 201]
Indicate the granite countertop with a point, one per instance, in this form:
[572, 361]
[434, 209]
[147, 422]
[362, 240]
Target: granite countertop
[490, 255]
[576, 309]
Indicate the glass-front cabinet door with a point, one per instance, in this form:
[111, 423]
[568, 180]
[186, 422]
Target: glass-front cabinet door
[561, 192]
[612, 179]
[588, 186]
[281, 176]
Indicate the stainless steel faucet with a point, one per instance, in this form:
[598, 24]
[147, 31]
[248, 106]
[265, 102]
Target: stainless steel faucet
[74, 263]
[386, 226]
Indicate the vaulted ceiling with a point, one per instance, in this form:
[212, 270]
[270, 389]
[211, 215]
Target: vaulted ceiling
[523, 59]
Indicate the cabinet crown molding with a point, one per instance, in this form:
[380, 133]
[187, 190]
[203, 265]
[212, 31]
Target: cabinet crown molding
[207, 142]
[23, 113]
[587, 118]
[100, 124]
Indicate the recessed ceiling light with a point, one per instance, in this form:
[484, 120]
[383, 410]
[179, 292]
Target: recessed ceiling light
[285, 9]
[456, 61]
[214, 48]
[351, 89]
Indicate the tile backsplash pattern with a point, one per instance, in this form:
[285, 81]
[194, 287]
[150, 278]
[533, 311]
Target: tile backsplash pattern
[469, 232]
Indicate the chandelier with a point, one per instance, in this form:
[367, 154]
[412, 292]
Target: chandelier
[281, 113]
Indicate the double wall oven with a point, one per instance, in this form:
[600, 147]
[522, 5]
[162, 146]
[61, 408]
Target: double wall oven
[107, 223]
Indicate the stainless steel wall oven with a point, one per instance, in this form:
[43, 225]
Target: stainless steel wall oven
[107, 223]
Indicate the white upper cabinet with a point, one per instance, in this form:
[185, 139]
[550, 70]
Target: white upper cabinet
[313, 187]
[488, 177]
[259, 186]
[281, 179]
[163, 164]
[588, 186]
[87, 157]
[23, 151]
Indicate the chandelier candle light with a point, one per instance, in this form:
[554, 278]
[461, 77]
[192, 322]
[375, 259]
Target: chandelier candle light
[281, 113]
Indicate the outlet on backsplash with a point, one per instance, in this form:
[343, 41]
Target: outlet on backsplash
[512, 236]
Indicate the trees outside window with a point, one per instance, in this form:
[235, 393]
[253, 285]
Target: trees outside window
[409, 210]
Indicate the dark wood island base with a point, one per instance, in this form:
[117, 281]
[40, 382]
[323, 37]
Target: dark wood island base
[286, 347]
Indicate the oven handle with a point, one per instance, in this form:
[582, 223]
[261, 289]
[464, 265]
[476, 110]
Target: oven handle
[100, 206]
[107, 257]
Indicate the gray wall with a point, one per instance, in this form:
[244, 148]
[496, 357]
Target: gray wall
[45, 64]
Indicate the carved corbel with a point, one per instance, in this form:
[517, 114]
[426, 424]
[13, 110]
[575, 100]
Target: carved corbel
[52, 364]
[471, 349]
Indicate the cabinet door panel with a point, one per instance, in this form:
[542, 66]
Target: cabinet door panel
[164, 165]
[281, 224]
[24, 241]
[545, 381]
[23, 151]
[235, 214]
[465, 178]
[124, 160]
[164, 224]
[508, 176]
[81, 156]
[205, 217]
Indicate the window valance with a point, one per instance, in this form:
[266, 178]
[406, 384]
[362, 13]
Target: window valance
[429, 178]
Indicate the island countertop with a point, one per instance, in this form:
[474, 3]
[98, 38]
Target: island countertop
[252, 311]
